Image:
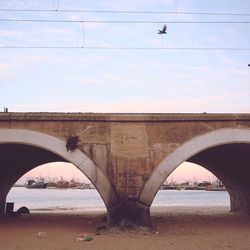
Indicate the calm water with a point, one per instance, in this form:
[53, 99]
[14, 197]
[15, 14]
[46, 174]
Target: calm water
[192, 198]
[57, 199]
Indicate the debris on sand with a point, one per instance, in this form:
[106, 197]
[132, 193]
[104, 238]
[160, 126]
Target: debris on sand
[84, 237]
[41, 234]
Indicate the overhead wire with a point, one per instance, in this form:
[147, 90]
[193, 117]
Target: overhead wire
[127, 48]
[126, 12]
[83, 44]
[175, 3]
[123, 21]
[56, 4]
[83, 35]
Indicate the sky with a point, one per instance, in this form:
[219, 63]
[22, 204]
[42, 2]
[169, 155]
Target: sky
[90, 75]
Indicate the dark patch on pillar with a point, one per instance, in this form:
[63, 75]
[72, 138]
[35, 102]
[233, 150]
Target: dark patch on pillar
[129, 214]
[236, 203]
[2, 206]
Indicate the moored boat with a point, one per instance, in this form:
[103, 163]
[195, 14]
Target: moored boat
[39, 184]
[62, 184]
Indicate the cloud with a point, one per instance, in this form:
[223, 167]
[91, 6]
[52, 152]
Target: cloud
[27, 4]
[56, 31]
[213, 39]
[84, 80]
[39, 34]
[10, 33]
[4, 66]
[10, 37]
[5, 71]
[15, 4]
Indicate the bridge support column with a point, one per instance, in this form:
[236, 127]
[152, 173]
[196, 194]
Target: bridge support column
[2, 205]
[240, 205]
[129, 213]
[237, 201]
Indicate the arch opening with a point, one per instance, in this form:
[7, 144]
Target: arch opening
[230, 162]
[22, 150]
[224, 152]
[191, 186]
[55, 187]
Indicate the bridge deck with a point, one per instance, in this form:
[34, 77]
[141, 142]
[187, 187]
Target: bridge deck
[131, 117]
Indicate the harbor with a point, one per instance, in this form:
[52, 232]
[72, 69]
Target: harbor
[42, 183]
[216, 185]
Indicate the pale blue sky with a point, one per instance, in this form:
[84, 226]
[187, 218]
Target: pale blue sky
[80, 80]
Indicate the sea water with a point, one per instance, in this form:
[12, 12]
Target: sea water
[56, 199]
[194, 198]
[90, 200]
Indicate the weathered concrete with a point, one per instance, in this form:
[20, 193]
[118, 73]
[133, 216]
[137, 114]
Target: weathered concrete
[129, 213]
[128, 156]
[2, 205]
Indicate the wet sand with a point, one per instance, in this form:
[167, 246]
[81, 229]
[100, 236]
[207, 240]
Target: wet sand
[173, 228]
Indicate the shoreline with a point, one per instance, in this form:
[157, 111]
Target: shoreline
[173, 228]
[153, 209]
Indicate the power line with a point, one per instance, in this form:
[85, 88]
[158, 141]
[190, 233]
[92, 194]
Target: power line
[175, 4]
[123, 21]
[127, 48]
[83, 35]
[127, 12]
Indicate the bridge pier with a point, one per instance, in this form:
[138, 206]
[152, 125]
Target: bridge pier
[240, 205]
[129, 213]
[2, 205]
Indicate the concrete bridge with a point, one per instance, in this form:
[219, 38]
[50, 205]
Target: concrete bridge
[128, 156]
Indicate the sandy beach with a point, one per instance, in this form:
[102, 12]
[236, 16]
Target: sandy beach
[173, 228]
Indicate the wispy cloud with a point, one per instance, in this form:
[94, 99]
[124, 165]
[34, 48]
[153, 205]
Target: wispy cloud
[138, 105]
[5, 70]
[84, 81]
[4, 66]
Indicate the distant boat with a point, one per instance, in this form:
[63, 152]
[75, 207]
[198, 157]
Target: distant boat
[62, 184]
[39, 184]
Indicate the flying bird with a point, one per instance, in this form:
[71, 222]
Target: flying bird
[164, 30]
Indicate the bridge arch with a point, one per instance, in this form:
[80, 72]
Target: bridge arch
[55, 149]
[198, 150]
